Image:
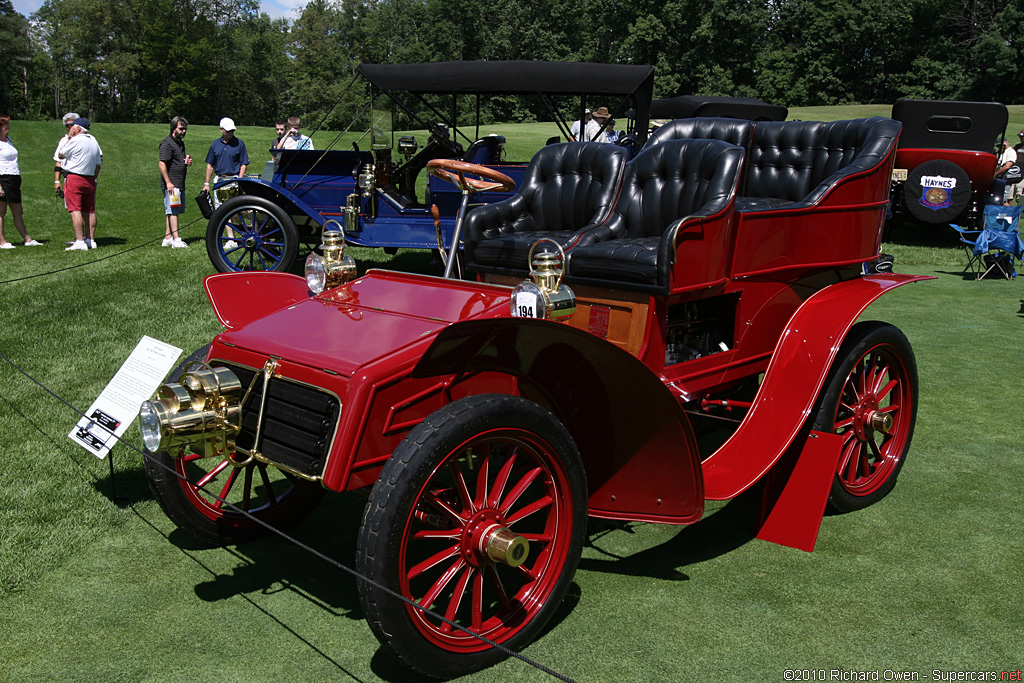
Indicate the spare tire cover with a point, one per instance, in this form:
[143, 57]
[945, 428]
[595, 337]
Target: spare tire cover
[937, 191]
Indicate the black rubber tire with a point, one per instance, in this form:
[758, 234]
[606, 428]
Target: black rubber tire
[888, 347]
[293, 500]
[959, 196]
[275, 239]
[396, 507]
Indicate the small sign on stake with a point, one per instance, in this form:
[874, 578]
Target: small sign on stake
[118, 404]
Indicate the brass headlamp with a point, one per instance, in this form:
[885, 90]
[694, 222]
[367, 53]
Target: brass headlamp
[544, 296]
[335, 267]
[202, 408]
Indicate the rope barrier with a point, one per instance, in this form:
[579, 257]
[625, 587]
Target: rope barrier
[299, 544]
[95, 261]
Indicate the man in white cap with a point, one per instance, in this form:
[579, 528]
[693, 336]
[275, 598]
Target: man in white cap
[227, 157]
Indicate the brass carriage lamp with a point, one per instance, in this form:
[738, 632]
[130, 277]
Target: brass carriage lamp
[544, 296]
[202, 407]
[335, 267]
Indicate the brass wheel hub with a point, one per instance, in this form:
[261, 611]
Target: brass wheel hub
[868, 418]
[486, 539]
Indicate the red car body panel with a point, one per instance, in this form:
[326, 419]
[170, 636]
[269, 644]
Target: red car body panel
[829, 232]
[791, 384]
[237, 301]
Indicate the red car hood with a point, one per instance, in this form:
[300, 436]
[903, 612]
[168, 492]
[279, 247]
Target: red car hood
[352, 325]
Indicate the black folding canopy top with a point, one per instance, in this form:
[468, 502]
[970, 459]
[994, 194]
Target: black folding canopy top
[686, 106]
[511, 77]
[944, 124]
[521, 77]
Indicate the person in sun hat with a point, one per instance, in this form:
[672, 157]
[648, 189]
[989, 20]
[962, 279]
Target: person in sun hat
[607, 125]
[81, 159]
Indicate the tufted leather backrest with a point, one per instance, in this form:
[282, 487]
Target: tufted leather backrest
[849, 147]
[674, 179]
[781, 159]
[733, 131]
[567, 185]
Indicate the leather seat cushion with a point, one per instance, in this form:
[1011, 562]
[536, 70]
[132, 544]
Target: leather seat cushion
[626, 259]
[512, 251]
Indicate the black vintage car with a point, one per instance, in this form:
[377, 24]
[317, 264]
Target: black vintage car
[946, 159]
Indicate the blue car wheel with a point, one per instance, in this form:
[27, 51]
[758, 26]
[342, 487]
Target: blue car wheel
[251, 233]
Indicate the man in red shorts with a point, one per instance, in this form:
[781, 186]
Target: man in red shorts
[81, 158]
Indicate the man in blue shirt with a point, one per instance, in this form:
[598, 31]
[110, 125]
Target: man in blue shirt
[227, 158]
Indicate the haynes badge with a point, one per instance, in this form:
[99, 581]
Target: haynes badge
[937, 191]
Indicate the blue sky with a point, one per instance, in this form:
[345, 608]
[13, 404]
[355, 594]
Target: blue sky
[275, 8]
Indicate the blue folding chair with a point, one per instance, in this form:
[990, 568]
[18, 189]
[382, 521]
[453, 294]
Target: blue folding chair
[996, 245]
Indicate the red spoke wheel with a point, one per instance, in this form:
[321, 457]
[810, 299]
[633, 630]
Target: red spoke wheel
[479, 516]
[870, 399]
[190, 489]
[187, 487]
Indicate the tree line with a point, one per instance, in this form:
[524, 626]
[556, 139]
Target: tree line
[148, 60]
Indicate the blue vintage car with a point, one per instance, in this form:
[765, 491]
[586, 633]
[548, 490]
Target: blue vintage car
[270, 222]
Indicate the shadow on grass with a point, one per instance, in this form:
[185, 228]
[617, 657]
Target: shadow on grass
[724, 531]
[275, 565]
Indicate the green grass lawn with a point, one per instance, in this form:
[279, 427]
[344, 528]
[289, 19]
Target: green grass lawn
[930, 578]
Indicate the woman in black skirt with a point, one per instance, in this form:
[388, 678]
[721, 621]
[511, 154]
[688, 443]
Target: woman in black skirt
[10, 187]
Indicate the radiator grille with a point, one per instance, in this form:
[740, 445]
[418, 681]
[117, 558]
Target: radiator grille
[298, 422]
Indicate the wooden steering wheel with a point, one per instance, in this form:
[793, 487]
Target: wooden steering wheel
[455, 171]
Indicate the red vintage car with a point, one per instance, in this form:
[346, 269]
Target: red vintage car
[616, 304]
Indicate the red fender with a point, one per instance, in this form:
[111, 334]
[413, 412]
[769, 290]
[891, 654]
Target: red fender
[240, 298]
[637, 445]
[795, 376]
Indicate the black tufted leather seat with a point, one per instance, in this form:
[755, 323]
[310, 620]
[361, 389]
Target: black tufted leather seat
[734, 131]
[793, 164]
[664, 185]
[566, 195]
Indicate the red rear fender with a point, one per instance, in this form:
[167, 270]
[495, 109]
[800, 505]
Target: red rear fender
[791, 384]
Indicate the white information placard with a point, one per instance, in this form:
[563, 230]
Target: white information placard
[118, 404]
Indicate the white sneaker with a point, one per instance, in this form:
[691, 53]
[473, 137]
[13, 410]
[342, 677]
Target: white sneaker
[77, 246]
[6, 245]
[230, 244]
[179, 244]
[33, 243]
[91, 244]
[167, 242]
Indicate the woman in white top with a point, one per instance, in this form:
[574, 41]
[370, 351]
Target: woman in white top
[10, 187]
